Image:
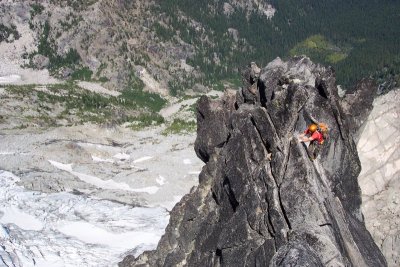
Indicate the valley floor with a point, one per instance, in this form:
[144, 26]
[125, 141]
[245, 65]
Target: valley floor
[86, 195]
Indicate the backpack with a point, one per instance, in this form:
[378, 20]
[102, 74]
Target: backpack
[323, 129]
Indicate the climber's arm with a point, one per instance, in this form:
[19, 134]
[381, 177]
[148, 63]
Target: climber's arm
[304, 138]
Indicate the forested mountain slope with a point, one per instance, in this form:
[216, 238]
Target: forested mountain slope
[176, 45]
[358, 38]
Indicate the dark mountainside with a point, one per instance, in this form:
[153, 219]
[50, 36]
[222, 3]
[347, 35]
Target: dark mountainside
[191, 45]
[352, 36]
[260, 200]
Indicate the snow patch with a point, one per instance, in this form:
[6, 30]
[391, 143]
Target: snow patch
[105, 184]
[92, 234]
[13, 78]
[7, 153]
[122, 156]
[142, 159]
[62, 229]
[9, 178]
[160, 180]
[21, 219]
[187, 161]
[97, 159]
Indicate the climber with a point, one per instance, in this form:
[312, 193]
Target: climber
[315, 134]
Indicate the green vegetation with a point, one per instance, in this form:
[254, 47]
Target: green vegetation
[358, 38]
[45, 46]
[77, 5]
[6, 32]
[70, 22]
[319, 49]
[135, 95]
[142, 99]
[180, 84]
[102, 67]
[83, 74]
[145, 120]
[193, 108]
[162, 32]
[36, 9]
[69, 102]
[179, 126]
[335, 57]
[71, 59]
[175, 88]
[103, 79]
[219, 86]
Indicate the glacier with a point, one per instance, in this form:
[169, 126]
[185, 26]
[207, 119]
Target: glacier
[65, 229]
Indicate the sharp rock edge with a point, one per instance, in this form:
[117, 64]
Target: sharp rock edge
[260, 200]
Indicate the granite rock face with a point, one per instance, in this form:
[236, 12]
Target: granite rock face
[357, 105]
[260, 200]
[379, 149]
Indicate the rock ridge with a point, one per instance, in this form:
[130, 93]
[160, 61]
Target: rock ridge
[260, 200]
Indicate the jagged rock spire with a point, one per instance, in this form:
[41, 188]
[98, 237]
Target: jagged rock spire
[260, 200]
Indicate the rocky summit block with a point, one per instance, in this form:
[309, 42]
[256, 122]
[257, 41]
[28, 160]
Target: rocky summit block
[260, 200]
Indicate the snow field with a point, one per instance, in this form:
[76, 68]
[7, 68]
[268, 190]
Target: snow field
[62, 229]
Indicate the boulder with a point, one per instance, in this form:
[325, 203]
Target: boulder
[40, 62]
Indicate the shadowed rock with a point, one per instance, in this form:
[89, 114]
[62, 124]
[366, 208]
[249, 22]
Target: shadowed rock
[357, 104]
[260, 200]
